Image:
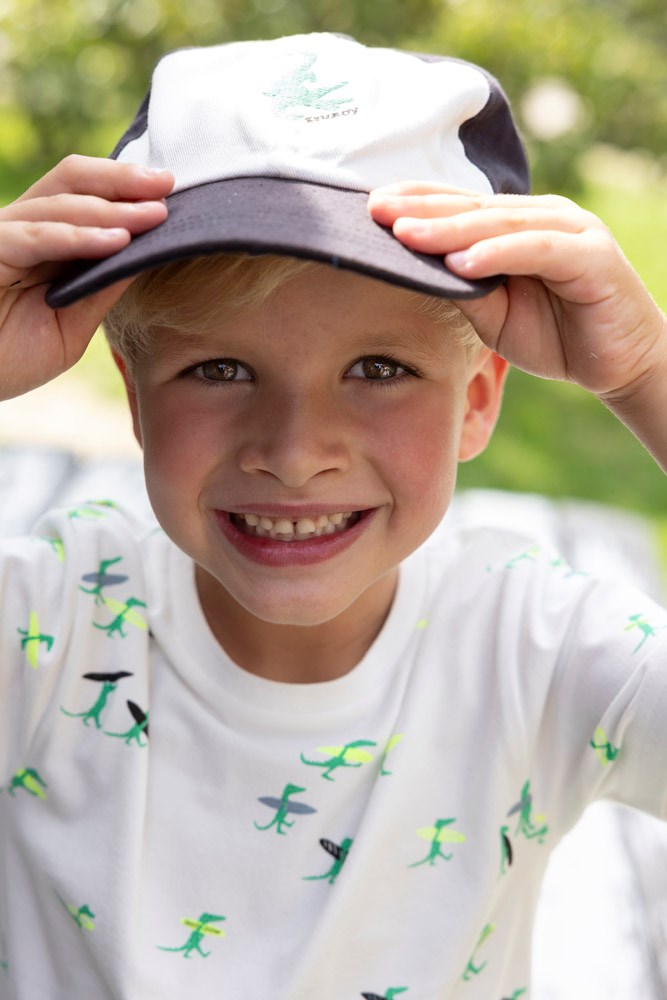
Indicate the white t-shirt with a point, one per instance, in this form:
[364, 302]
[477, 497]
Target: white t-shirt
[172, 826]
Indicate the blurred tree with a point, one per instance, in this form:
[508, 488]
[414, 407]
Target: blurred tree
[72, 72]
[611, 54]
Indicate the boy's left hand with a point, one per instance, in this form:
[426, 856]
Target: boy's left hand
[572, 307]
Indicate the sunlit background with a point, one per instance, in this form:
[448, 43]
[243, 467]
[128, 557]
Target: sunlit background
[588, 79]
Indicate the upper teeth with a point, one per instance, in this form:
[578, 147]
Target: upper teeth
[287, 529]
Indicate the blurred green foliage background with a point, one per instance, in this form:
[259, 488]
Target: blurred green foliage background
[588, 80]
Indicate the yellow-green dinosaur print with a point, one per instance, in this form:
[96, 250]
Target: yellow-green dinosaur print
[30, 780]
[472, 968]
[124, 615]
[350, 755]
[82, 916]
[90, 511]
[438, 834]
[33, 639]
[199, 928]
[394, 741]
[57, 545]
[605, 751]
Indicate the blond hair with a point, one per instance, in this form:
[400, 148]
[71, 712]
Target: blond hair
[186, 295]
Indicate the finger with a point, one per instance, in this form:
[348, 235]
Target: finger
[559, 259]
[88, 210]
[80, 210]
[426, 202]
[464, 229]
[104, 178]
[25, 245]
[419, 188]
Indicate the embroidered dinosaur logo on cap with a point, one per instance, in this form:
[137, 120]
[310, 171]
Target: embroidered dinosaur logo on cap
[296, 93]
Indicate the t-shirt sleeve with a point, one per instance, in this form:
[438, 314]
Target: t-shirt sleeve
[52, 587]
[601, 731]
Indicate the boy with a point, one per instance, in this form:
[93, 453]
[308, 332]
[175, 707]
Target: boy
[353, 772]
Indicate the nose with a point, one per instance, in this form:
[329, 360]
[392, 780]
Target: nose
[295, 437]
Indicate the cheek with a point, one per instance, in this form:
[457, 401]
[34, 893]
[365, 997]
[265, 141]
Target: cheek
[179, 448]
[419, 445]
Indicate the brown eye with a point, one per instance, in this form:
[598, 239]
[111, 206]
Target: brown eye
[223, 370]
[379, 368]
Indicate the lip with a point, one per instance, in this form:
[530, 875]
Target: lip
[273, 552]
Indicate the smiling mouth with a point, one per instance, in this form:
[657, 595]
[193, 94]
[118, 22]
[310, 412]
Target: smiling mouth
[302, 529]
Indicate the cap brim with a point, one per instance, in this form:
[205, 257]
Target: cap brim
[271, 215]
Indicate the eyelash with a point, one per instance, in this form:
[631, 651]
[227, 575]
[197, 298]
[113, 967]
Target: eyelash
[407, 372]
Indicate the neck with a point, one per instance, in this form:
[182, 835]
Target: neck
[296, 654]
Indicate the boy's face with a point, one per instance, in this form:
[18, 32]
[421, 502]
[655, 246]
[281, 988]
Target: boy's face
[275, 412]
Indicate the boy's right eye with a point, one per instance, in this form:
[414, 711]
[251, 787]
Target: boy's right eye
[222, 370]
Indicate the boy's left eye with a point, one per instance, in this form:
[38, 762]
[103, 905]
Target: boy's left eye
[377, 369]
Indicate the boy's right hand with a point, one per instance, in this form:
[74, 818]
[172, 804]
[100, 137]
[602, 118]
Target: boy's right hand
[84, 208]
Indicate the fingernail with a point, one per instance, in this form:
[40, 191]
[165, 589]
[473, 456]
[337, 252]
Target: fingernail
[111, 234]
[459, 260]
[415, 227]
[154, 171]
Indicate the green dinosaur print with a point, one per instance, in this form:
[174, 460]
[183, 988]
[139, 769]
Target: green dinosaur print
[33, 639]
[438, 834]
[388, 994]
[283, 807]
[530, 555]
[133, 734]
[525, 824]
[90, 511]
[125, 614]
[560, 563]
[109, 685]
[605, 751]
[57, 545]
[350, 755]
[82, 916]
[30, 781]
[647, 630]
[200, 928]
[516, 995]
[296, 90]
[102, 579]
[394, 741]
[472, 969]
[339, 852]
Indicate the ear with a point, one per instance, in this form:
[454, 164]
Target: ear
[131, 395]
[484, 395]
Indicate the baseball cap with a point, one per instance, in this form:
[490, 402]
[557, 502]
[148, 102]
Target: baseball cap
[275, 145]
